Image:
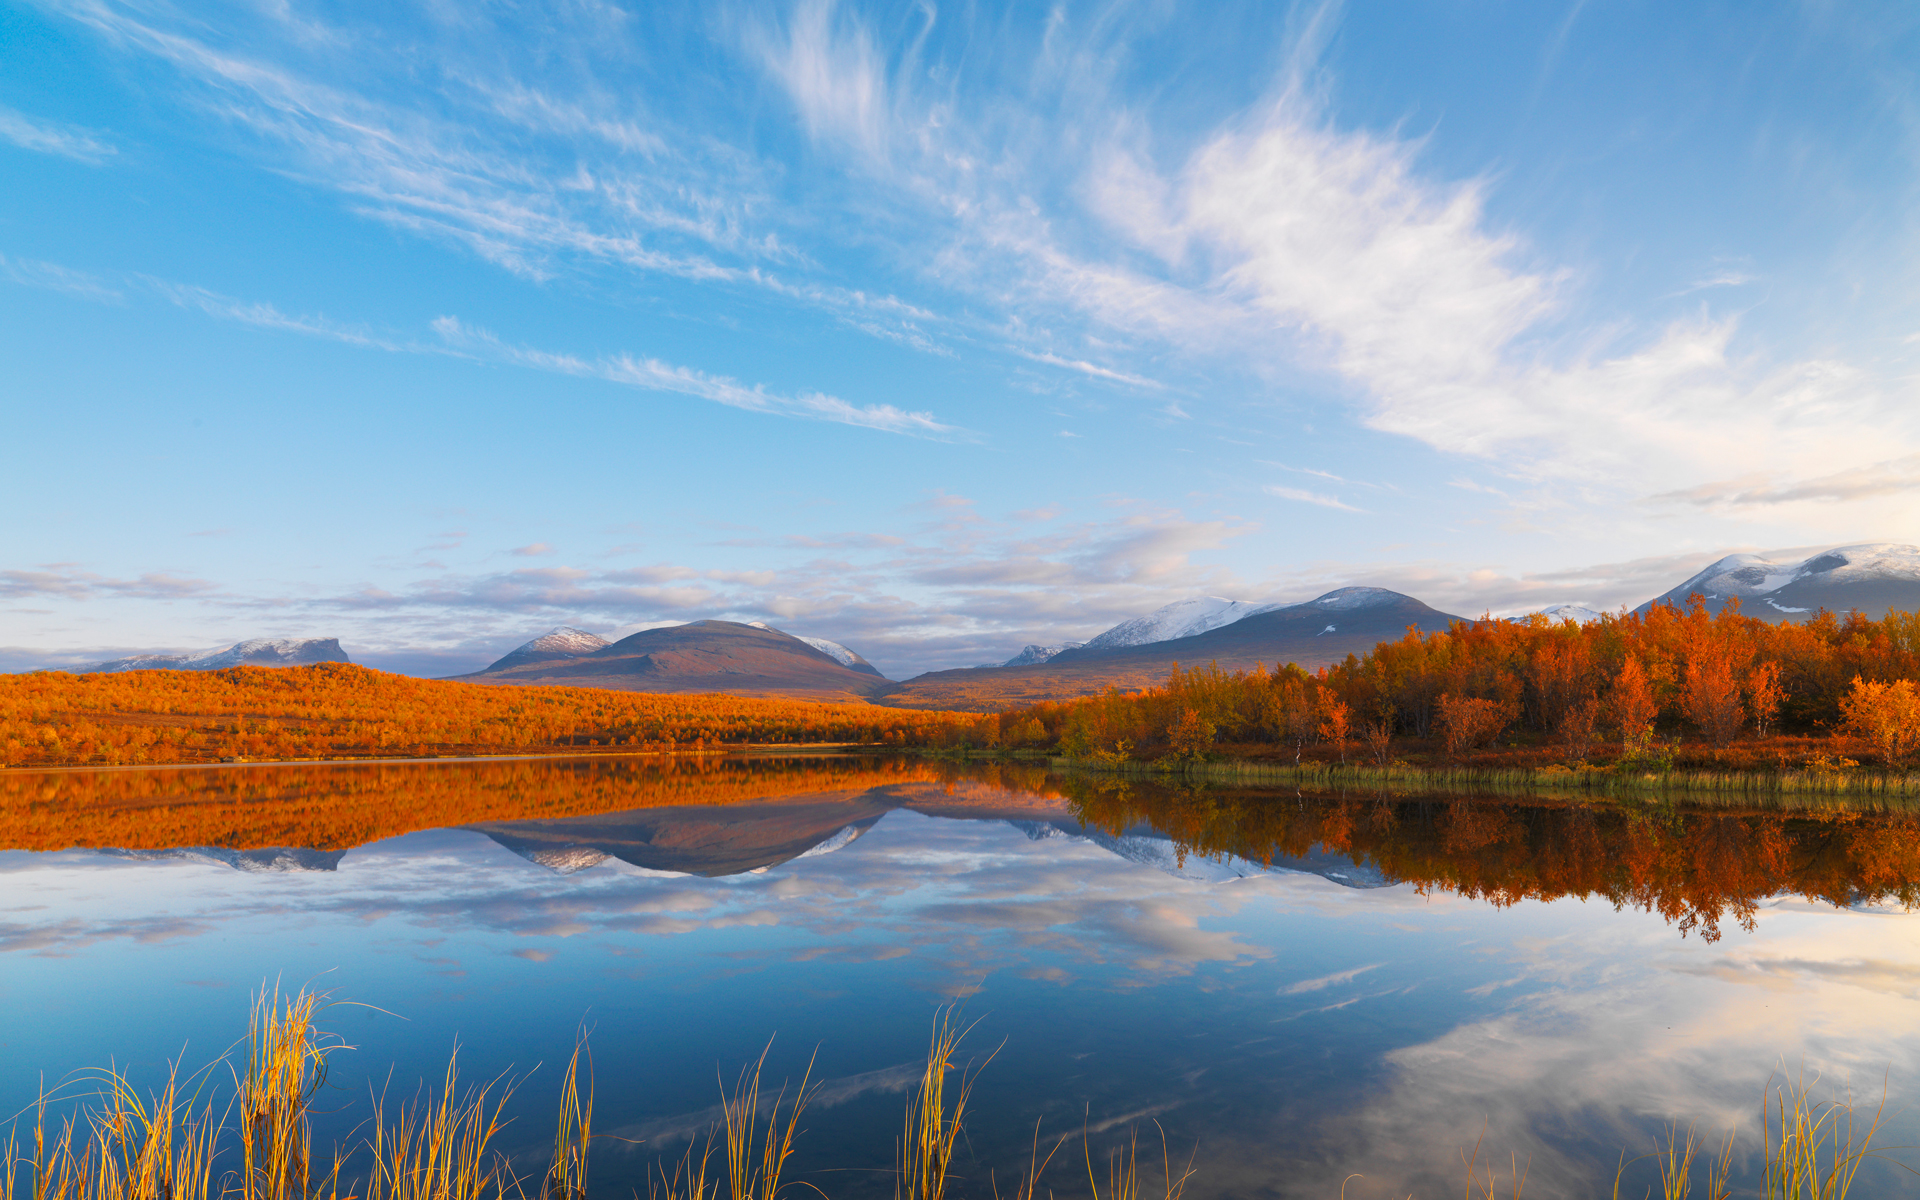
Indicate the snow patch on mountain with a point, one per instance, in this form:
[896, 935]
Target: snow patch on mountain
[1030, 656]
[258, 652]
[1342, 599]
[845, 836]
[1182, 618]
[565, 639]
[1756, 575]
[833, 650]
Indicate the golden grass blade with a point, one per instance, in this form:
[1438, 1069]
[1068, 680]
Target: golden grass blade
[932, 1131]
[567, 1176]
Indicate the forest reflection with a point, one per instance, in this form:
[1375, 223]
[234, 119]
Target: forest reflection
[1696, 866]
[1700, 867]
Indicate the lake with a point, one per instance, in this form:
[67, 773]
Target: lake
[1291, 989]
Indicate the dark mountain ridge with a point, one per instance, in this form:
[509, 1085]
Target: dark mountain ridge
[1321, 631]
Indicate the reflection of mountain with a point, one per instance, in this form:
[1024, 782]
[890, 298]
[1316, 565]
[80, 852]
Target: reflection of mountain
[1150, 847]
[701, 839]
[274, 859]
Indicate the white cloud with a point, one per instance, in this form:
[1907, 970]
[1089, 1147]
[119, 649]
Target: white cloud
[51, 137]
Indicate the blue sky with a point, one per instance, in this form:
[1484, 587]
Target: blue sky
[933, 329]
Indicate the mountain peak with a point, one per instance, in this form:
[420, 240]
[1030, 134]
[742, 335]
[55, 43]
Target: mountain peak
[1034, 655]
[1182, 618]
[560, 642]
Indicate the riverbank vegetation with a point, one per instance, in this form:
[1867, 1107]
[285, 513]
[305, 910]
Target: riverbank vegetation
[338, 710]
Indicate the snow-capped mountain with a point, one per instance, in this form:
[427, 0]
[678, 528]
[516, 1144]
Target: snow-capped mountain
[1034, 655]
[1579, 614]
[1871, 577]
[259, 652]
[1182, 618]
[561, 642]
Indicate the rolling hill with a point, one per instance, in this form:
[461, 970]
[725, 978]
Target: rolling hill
[701, 656]
[1321, 631]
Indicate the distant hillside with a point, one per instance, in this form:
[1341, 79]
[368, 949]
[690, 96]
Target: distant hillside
[703, 656]
[1873, 577]
[260, 652]
[1321, 631]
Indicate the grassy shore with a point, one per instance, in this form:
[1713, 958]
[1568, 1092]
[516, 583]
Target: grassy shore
[1900, 790]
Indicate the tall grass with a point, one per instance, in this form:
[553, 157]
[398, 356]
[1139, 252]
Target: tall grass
[932, 1124]
[757, 1149]
[172, 1144]
[167, 1145]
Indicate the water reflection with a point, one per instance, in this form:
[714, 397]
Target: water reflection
[1305, 986]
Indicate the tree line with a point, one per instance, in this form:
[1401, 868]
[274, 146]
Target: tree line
[1634, 685]
[332, 710]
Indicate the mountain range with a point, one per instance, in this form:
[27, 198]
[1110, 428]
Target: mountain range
[1872, 577]
[260, 652]
[753, 658]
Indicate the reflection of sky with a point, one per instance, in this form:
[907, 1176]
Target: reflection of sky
[1297, 1029]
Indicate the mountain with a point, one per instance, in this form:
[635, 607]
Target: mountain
[563, 642]
[1579, 614]
[699, 839]
[260, 652]
[1321, 631]
[273, 860]
[1032, 655]
[1182, 618]
[1149, 847]
[700, 656]
[1872, 577]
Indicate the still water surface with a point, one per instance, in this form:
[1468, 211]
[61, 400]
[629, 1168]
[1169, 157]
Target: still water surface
[1300, 987]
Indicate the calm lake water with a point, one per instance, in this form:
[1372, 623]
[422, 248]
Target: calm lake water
[1295, 988]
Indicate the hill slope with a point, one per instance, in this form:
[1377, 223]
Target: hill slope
[703, 656]
[1321, 631]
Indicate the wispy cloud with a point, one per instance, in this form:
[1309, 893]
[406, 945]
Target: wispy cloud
[69, 582]
[455, 337]
[55, 278]
[652, 374]
[52, 137]
[1889, 477]
[1306, 497]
